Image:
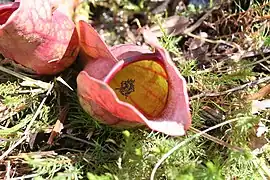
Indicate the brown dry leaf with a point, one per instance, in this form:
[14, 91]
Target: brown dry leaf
[32, 139]
[258, 140]
[257, 144]
[260, 94]
[58, 125]
[197, 48]
[173, 25]
[197, 43]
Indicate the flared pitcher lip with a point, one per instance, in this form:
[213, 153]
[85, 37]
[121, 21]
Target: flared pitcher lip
[121, 64]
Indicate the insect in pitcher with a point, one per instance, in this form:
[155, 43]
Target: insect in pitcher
[127, 87]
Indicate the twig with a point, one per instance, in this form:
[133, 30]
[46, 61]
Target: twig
[32, 91]
[214, 41]
[216, 140]
[38, 153]
[260, 61]
[69, 149]
[38, 110]
[265, 67]
[250, 54]
[12, 147]
[165, 156]
[27, 131]
[262, 168]
[252, 83]
[37, 83]
[217, 66]
[259, 170]
[200, 21]
[8, 169]
[30, 176]
[78, 139]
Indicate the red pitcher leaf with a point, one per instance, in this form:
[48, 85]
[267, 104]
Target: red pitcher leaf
[93, 48]
[6, 10]
[142, 87]
[91, 42]
[38, 36]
